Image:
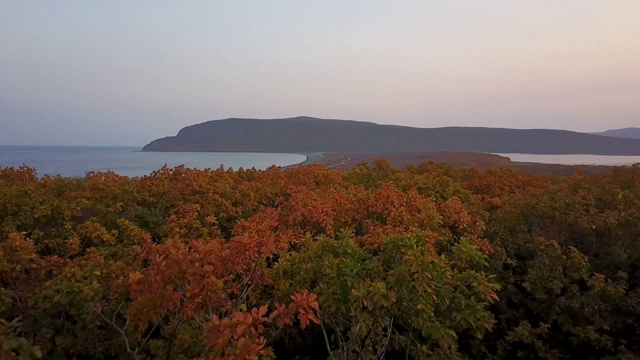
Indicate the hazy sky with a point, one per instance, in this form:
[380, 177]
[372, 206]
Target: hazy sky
[127, 72]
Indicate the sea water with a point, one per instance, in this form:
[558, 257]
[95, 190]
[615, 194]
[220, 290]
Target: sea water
[130, 161]
[574, 159]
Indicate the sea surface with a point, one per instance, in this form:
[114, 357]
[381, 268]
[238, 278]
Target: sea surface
[130, 161]
[574, 159]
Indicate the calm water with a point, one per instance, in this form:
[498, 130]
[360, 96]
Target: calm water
[579, 159]
[130, 161]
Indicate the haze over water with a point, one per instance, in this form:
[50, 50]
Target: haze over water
[130, 161]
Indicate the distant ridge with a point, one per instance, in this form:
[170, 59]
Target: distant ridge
[306, 135]
[625, 133]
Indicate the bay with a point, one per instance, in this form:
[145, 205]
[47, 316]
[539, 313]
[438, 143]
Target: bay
[574, 159]
[130, 161]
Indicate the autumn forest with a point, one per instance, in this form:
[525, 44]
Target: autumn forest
[425, 262]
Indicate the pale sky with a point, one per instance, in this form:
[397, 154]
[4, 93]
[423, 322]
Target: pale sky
[128, 72]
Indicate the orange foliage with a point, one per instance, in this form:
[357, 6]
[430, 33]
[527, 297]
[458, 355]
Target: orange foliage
[182, 261]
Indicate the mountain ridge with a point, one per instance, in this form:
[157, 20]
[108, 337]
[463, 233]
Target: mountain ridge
[306, 134]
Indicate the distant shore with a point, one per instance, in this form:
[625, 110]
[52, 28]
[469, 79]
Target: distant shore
[312, 158]
[346, 161]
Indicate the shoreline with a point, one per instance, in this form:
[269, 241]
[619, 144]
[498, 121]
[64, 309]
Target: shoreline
[347, 161]
[312, 158]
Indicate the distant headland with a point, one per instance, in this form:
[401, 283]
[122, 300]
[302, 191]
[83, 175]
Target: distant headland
[312, 135]
[626, 133]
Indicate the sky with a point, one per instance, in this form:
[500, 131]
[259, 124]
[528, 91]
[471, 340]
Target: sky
[128, 72]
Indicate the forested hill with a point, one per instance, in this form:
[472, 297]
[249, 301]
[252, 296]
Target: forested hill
[306, 134]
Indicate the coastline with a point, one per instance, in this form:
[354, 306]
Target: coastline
[347, 161]
[312, 158]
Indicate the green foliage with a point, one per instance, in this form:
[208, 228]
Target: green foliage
[402, 297]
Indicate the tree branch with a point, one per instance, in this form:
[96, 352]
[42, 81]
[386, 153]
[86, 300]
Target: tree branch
[121, 331]
[326, 339]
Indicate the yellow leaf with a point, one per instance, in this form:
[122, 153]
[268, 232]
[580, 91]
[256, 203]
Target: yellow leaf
[135, 277]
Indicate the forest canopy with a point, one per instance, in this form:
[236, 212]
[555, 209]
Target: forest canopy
[309, 262]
